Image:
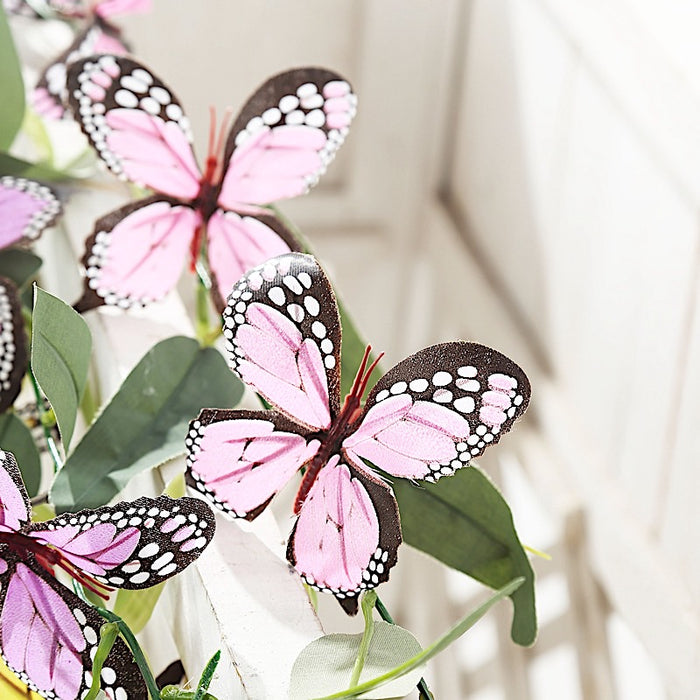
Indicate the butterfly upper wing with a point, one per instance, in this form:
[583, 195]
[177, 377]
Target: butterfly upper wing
[282, 336]
[240, 459]
[238, 242]
[135, 123]
[48, 97]
[15, 509]
[136, 253]
[26, 209]
[48, 636]
[430, 414]
[285, 137]
[13, 346]
[113, 8]
[133, 544]
[347, 534]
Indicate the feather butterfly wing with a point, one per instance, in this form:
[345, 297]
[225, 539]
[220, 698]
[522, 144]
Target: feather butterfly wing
[13, 345]
[26, 209]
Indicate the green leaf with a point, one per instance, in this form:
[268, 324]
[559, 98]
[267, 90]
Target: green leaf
[146, 421]
[19, 265]
[9, 165]
[325, 665]
[424, 656]
[135, 607]
[16, 437]
[11, 86]
[465, 523]
[61, 345]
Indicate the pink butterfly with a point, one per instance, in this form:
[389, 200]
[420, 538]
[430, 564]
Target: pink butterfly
[424, 419]
[47, 634]
[99, 35]
[279, 145]
[26, 209]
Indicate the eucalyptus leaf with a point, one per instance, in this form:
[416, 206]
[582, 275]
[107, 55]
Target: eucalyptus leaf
[9, 165]
[146, 421]
[325, 665]
[17, 438]
[465, 523]
[19, 265]
[11, 86]
[61, 345]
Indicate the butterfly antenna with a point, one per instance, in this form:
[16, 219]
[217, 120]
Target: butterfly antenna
[220, 143]
[212, 131]
[368, 374]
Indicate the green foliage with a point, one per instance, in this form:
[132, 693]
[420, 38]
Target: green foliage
[146, 421]
[19, 265]
[61, 346]
[135, 607]
[16, 437]
[465, 523]
[17, 167]
[11, 87]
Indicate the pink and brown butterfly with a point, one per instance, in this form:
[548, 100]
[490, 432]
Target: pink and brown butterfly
[424, 419]
[279, 145]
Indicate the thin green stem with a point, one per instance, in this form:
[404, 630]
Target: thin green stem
[108, 635]
[136, 651]
[368, 602]
[50, 442]
[424, 692]
[202, 327]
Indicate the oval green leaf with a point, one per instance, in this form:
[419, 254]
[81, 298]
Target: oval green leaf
[11, 86]
[16, 437]
[19, 265]
[9, 165]
[61, 345]
[325, 665]
[146, 421]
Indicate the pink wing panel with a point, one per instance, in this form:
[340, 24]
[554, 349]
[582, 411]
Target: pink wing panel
[14, 502]
[26, 209]
[347, 533]
[136, 253]
[135, 123]
[241, 459]
[110, 8]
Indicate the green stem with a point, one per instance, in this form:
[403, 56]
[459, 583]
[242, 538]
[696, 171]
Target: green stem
[368, 602]
[136, 651]
[202, 327]
[50, 442]
[108, 635]
[424, 692]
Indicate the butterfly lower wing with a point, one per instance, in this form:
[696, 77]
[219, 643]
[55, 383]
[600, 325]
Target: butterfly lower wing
[49, 95]
[285, 137]
[136, 253]
[282, 336]
[135, 123]
[238, 242]
[347, 534]
[26, 209]
[134, 544]
[430, 414]
[13, 345]
[15, 510]
[48, 637]
[240, 459]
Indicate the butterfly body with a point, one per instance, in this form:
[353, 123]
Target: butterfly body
[426, 418]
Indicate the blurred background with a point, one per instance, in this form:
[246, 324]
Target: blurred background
[525, 174]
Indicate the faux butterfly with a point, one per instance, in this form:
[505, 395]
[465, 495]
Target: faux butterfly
[424, 419]
[26, 209]
[98, 35]
[279, 145]
[48, 635]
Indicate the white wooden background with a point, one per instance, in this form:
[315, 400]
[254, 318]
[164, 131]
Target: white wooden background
[525, 173]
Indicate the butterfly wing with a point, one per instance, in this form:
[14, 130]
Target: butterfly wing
[430, 414]
[14, 502]
[347, 534]
[112, 8]
[285, 137]
[237, 243]
[136, 253]
[13, 346]
[282, 336]
[134, 544]
[240, 459]
[49, 95]
[48, 637]
[26, 209]
[135, 123]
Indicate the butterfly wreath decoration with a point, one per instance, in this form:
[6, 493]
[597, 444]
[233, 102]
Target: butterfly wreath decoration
[98, 35]
[26, 209]
[48, 635]
[279, 145]
[424, 419]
